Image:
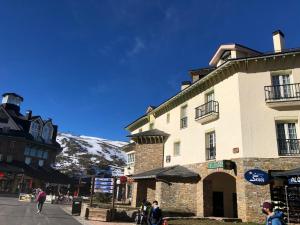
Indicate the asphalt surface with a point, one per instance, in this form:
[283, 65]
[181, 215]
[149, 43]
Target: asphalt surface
[13, 212]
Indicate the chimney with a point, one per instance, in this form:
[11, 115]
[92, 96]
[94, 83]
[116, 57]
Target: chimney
[28, 114]
[185, 84]
[278, 41]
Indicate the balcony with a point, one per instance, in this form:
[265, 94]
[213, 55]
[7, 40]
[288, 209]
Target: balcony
[210, 153]
[207, 112]
[283, 96]
[288, 147]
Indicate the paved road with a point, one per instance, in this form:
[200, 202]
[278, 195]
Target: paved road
[13, 212]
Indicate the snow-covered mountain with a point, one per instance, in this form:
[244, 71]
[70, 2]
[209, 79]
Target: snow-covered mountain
[81, 152]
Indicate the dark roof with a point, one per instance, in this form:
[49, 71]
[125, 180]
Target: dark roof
[286, 173]
[22, 124]
[129, 147]
[201, 71]
[13, 94]
[173, 173]
[278, 32]
[150, 133]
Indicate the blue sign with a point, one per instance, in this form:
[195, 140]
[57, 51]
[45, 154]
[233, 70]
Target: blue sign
[104, 185]
[257, 177]
[294, 180]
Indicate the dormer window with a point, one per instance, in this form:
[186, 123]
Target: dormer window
[35, 129]
[226, 55]
[47, 132]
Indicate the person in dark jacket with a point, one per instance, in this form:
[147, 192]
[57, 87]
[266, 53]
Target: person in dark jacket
[155, 216]
[273, 217]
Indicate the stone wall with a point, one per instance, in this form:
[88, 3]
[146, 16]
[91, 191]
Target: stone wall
[177, 196]
[198, 197]
[148, 157]
[249, 196]
[143, 189]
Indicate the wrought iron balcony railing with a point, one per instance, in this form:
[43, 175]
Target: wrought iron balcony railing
[206, 109]
[288, 92]
[287, 147]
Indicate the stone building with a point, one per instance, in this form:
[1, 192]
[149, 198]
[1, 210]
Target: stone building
[236, 116]
[28, 149]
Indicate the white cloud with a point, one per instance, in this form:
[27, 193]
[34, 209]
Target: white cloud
[138, 46]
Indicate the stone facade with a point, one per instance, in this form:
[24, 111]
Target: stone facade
[177, 196]
[197, 197]
[148, 157]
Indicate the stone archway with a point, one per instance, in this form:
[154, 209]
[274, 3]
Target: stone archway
[219, 195]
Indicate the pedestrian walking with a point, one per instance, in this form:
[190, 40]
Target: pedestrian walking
[41, 198]
[155, 216]
[273, 217]
[143, 214]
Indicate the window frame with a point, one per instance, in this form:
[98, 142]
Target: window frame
[176, 143]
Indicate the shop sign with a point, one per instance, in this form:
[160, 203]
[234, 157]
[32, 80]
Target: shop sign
[224, 164]
[257, 177]
[294, 180]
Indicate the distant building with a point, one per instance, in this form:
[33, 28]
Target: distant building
[206, 149]
[28, 148]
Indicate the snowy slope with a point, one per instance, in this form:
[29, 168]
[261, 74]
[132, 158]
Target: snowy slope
[81, 152]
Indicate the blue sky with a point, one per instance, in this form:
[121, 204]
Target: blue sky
[94, 66]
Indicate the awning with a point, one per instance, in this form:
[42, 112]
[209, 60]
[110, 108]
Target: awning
[174, 173]
[45, 173]
[286, 173]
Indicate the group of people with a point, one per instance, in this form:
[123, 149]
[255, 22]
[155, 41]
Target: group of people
[149, 214]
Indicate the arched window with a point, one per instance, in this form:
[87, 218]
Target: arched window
[35, 128]
[47, 132]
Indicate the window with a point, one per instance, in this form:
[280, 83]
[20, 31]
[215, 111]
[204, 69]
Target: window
[151, 126]
[130, 158]
[282, 88]
[27, 160]
[9, 158]
[32, 152]
[210, 145]
[176, 148]
[209, 98]
[168, 117]
[288, 144]
[183, 117]
[35, 129]
[47, 132]
[39, 153]
[45, 155]
[27, 151]
[41, 162]
[168, 159]
[12, 144]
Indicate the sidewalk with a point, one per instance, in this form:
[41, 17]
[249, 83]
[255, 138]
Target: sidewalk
[81, 220]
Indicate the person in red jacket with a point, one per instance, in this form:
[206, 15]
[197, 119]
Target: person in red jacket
[41, 198]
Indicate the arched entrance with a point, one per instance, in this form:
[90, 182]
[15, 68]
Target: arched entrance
[219, 195]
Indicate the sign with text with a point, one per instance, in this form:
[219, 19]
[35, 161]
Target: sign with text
[257, 177]
[294, 180]
[104, 185]
[224, 164]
